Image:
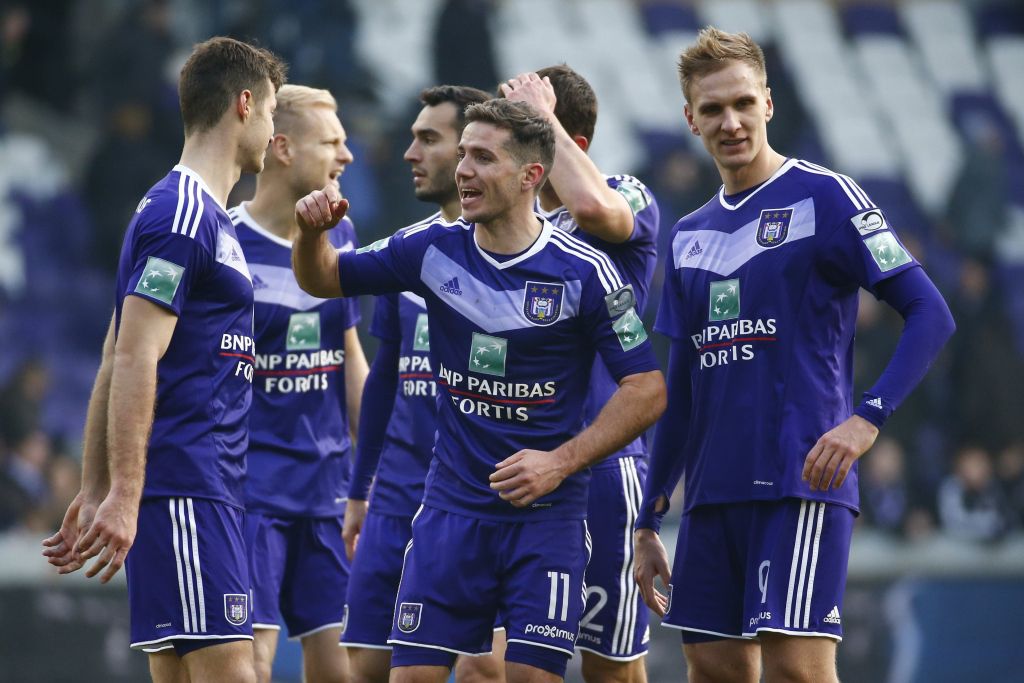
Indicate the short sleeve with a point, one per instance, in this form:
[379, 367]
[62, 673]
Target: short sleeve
[391, 264]
[346, 240]
[671, 319]
[616, 331]
[166, 267]
[643, 206]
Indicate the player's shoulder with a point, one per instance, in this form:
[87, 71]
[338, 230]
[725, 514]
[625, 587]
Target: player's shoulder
[585, 260]
[833, 191]
[180, 204]
[434, 225]
[633, 189]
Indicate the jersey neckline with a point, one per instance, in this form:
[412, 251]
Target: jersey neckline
[186, 171]
[789, 163]
[535, 248]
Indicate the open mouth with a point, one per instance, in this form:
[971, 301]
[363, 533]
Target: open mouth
[469, 194]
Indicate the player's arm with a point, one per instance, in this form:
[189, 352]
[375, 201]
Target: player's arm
[636, 404]
[928, 324]
[665, 469]
[60, 548]
[379, 400]
[314, 258]
[597, 208]
[144, 335]
[356, 370]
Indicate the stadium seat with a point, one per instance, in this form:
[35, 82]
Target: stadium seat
[944, 37]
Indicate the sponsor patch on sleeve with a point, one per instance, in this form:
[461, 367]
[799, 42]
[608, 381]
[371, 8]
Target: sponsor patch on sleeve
[372, 246]
[869, 221]
[886, 251]
[638, 196]
[160, 279]
[630, 330]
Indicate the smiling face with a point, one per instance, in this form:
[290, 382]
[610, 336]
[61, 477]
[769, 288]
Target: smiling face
[489, 179]
[259, 129]
[433, 153]
[319, 152]
[730, 109]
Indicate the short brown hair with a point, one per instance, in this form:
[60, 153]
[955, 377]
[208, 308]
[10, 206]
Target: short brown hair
[460, 95]
[576, 106]
[532, 139]
[216, 71]
[713, 51]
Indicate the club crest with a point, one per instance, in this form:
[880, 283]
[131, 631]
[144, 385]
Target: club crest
[542, 302]
[409, 616]
[236, 608]
[773, 228]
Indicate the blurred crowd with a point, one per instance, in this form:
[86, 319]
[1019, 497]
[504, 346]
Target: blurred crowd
[89, 120]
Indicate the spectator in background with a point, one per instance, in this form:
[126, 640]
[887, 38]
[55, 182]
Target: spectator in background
[971, 504]
[463, 29]
[889, 501]
[1010, 470]
[977, 212]
[23, 482]
[21, 401]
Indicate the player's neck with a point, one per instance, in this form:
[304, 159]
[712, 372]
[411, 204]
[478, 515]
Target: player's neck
[756, 172]
[450, 211]
[273, 208]
[509, 234]
[549, 200]
[215, 161]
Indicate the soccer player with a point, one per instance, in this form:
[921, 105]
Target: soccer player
[308, 381]
[181, 368]
[518, 310]
[760, 301]
[618, 215]
[396, 430]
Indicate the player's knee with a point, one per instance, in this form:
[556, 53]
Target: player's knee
[479, 670]
[597, 669]
[791, 670]
[704, 666]
[262, 669]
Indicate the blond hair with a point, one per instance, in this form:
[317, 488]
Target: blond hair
[713, 51]
[292, 100]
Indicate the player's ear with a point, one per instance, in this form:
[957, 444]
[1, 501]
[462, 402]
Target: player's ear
[281, 148]
[769, 105]
[688, 113]
[244, 104]
[580, 141]
[534, 174]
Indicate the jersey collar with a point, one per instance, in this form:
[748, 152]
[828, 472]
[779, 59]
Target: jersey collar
[186, 171]
[250, 222]
[732, 207]
[536, 247]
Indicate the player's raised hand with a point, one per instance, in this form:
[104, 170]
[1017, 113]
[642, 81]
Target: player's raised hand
[110, 537]
[532, 89]
[650, 561]
[526, 476]
[320, 210]
[355, 516]
[60, 548]
[832, 457]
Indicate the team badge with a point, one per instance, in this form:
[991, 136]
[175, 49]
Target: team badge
[409, 616]
[487, 354]
[160, 279]
[542, 302]
[724, 300]
[303, 331]
[773, 228]
[236, 608]
[421, 337]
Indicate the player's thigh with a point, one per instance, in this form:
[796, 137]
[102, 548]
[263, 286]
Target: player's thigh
[266, 544]
[516, 672]
[316, 577]
[264, 647]
[368, 665]
[166, 667]
[373, 583]
[725, 660]
[489, 668]
[798, 659]
[598, 669]
[615, 621]
[230, 662]
[419, 674]
[323, 661]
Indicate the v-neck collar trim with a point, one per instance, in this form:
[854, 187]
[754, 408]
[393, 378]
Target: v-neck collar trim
[732, 207]
[536, 247]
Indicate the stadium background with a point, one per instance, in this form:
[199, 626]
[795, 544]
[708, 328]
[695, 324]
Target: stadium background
[922, 102]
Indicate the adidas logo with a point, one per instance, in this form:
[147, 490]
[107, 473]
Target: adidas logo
[258, 283]
[695, 250]
[876, 403]
[452, 287]
[833, 616]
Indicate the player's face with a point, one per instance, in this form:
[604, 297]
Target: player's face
[259, 128]
[490, 181]
[319, 151]
[433, 153]
[730, 110]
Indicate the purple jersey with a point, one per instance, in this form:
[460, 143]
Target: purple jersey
[512, 345]
[761, 291]
[180, 252]
[635, 258]
[299, 438]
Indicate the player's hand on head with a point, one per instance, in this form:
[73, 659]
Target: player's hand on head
[833, 456]
[649, 561]
[110, 537]
[355, 517]
[60, 549]
[532, 89]
[320, 210]
[526, 476]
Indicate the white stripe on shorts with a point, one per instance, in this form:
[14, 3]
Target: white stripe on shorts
[177, 558]
[802, 571]
[199, 572]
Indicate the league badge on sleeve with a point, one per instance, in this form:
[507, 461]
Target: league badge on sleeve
[773, 228]
[542, 302]
[236, 608]
[868, 221]
[409, 616]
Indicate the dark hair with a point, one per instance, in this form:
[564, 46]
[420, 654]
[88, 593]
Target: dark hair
[576, 107]
[216, 71]
[532, 139]
[460, 95]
